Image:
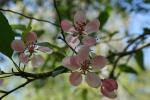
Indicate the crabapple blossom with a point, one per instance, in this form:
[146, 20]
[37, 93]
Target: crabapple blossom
[28, 48]
[80, 30]
[109, 87]
[81, 64]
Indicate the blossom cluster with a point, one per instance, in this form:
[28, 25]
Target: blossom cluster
[83, 64]
[27, 49]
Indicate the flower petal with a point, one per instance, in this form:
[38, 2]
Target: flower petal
[45, 49]
[89, 41]
[92, 26]
[31, 37]
[24, 58]
[71, 62]
[18, 45]
[79, 18]
[37, 60]
[107, 93]
[66, 25]
[83, 53]
[75, 78]
[98, 62]
[73, 41]
[92, 80]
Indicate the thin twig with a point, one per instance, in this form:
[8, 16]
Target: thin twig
[29, 17]
[62, 32]
[20, 86]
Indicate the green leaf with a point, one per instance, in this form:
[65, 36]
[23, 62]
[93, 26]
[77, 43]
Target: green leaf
[104, 15]
[18, 26]
[139, 57]
[6, 36]
[127, 69]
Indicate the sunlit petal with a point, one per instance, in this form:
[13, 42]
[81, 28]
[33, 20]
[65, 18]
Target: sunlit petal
[92, 26]
[98, 62]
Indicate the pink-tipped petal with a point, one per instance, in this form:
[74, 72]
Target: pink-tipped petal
[66, 25]
[24, 58]
[79, 18]
[73, 41]
[98, 62]
[75, 78]
[31, 37]
[92, 26]
[92, 80]
[89, 41]
[18, 45]
[37, 60]
[45, 49]
[71, 62]
[107, 93]
[83, 53]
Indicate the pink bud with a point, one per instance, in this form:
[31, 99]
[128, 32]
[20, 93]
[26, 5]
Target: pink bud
[109, 87]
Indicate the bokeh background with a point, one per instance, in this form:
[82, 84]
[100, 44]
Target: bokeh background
[121, 21]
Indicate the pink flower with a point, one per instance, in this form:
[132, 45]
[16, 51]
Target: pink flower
[109, 87]
[80, 28]
[82, 64]
[28, 49]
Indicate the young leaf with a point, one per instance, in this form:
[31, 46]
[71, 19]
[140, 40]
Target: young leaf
[18, 26]
[6, 36]
[139, 57]
[127, 69]
[47, 44]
